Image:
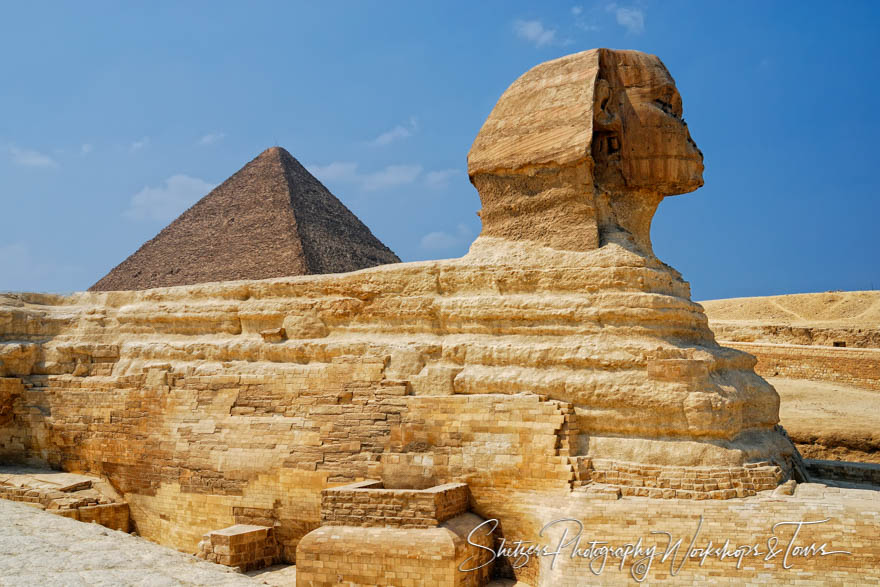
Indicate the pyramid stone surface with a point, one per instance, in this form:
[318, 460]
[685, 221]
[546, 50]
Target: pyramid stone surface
[271, 219]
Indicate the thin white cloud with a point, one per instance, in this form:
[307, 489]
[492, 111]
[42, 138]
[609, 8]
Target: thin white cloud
[21, 270]
[440, 179]
[391, 176]
[444, 241]
[338, 171]
[167, 201]
[347, 172]
[139, 144]
[581, 22]
[397, 133]
[30, 158]
[586, 26]
[86, 148]
[212, 138]
[632, 19]
[534, 31]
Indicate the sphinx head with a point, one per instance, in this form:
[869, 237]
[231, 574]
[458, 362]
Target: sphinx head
[581, 150]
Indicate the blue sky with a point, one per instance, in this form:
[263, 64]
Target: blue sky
[118, 116]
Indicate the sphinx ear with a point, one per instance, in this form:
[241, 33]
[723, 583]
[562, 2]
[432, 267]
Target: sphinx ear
[606, 126]
[603, 110]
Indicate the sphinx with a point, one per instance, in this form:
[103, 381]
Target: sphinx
[559, 354]
[570, 166]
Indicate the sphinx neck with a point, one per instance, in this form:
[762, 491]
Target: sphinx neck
[625, 218]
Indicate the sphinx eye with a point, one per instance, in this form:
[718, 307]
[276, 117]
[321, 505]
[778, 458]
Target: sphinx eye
[666, 107]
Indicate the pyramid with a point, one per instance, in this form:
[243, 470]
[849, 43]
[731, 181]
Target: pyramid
[271, 219]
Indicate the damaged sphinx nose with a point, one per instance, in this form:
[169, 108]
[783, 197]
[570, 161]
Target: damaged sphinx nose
[589, 161]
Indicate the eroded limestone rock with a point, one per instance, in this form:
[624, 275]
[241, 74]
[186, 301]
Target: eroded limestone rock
[305, 325]
[18, 358]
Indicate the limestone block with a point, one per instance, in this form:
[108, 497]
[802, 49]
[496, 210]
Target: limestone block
[18, 358]
[81, 369]
[369, 503]
[305, 325]
[435, 380]
[404, 364]
[10, 389]
[333, 555]
[786, 488]
[65, 494]
[244, 546]
[678, 369]
[156, 377]
[274, 335]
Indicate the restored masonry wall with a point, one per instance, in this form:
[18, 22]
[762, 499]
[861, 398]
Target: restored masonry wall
[111, 515]
[845, 471]
[369, 504]
[81, 497]
[211, 451]
[862, 336]
[377, 536]
[198, 453]
[859, 367]
[852, 525]
[114, 515]
[243, 546]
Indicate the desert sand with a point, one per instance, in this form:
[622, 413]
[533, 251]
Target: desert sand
[830, 421]
[858, 309]
[852, 317]
[825, 413]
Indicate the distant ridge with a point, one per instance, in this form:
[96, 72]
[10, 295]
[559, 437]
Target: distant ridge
[831, 308]
[272, 218]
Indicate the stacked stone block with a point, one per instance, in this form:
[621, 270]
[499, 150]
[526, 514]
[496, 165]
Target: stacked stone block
[521, 439]
[861, 473]
[115, 516]
[242, 546]
[63, 494]
[372, 535]
[10, 389]
[369, 503]
[853, 366]
[686, 482]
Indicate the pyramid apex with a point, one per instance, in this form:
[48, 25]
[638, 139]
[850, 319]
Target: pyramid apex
[275, 150]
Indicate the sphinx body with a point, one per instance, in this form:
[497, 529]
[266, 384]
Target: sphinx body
[571, 166]
[557, 353]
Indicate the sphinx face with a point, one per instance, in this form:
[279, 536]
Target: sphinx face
[546, 175]
[641, 142]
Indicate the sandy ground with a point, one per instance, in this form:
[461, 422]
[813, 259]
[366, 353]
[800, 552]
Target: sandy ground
[38, 548]
[41, 549]
[828, 310]
[826, 420]
[276, 575]
[830, 420]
